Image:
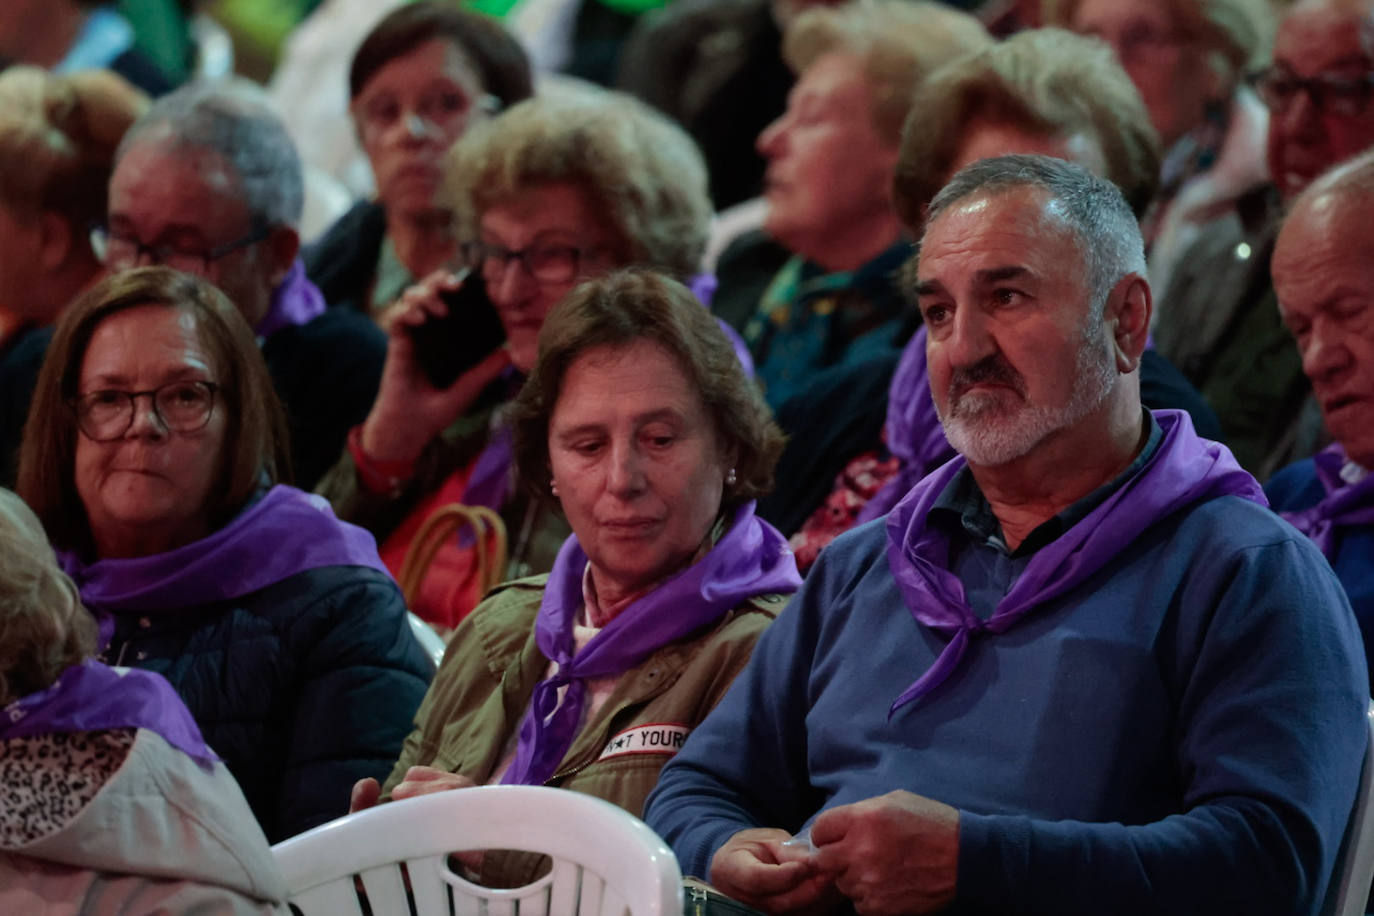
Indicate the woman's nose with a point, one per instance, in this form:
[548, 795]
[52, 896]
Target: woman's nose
[626, 476]
[515, 287]
[145, 423]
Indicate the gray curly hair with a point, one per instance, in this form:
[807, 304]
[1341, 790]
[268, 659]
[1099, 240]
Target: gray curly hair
[643, 173]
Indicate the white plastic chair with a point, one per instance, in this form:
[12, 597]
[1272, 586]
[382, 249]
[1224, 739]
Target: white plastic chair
[1355, 870]
[429, 640]
[606, 862]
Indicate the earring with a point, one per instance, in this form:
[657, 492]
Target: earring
[730, 478]
[553, 487]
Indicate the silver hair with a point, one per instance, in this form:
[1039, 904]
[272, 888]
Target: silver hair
[1091, 208]
[235, 120]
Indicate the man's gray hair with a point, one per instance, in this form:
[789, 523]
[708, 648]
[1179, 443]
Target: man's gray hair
[1091, 208]
[235, 120]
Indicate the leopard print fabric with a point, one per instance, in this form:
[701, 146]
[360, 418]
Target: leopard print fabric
[46, 780]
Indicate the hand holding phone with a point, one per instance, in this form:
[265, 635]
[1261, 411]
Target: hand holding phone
[447, 346]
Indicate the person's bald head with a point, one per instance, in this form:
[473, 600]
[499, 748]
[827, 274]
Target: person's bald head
[1323, 270]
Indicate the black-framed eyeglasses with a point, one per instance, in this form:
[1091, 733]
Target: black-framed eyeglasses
[545, 263]
[1348, 96]
[121, 251]
[181, 407]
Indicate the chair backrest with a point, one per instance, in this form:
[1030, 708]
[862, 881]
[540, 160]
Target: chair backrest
[1355, 869]
[606, 862]
[428, 638]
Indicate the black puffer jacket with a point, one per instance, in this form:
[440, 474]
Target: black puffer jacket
[303, 687]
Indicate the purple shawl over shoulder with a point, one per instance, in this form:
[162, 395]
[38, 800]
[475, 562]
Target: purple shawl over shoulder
[913, 431]
[284, 533]
[91, 696]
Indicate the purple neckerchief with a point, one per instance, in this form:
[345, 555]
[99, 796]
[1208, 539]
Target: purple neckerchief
[90, 696]
[490, 481]
[284, 533]
[750, 559]
[296, 301]
[913, 431]
[1184, 470]
[1345, 504]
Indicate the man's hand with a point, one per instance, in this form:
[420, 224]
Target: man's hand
[755, 868]
[897, 853]
[424, 780]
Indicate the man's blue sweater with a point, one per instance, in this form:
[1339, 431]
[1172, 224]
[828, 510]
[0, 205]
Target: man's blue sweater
[1181, 733]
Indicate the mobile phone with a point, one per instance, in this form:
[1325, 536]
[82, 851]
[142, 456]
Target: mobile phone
[447, 347]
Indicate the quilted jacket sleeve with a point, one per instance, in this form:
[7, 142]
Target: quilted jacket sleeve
[361, 677]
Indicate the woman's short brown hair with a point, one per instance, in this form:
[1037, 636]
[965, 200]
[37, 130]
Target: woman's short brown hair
[1047, 81]
[618, 310]
[43, 627]
[500, 62]
[254, 435]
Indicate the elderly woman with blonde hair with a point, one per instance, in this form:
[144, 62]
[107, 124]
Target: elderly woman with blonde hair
[560, 188]
[113, 801]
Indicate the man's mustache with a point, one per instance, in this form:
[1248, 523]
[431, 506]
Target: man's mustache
[993, 369]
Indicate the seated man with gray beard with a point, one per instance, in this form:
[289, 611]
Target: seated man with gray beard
[1078, 669]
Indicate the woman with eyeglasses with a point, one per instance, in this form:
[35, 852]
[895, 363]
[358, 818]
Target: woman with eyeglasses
[560, 188]
[154, 456]
[425, 73]
[57, 141]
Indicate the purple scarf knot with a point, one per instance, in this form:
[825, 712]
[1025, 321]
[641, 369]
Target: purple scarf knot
[296, 301]
[285, 532]
[1184, 471]
[1345, 504]
[90, 696]
[751, 559]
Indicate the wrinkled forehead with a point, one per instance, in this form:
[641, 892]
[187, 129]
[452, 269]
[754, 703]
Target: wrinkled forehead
[159, 158]
[1017, 216]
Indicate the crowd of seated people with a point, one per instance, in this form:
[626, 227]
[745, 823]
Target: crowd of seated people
[990, 529]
